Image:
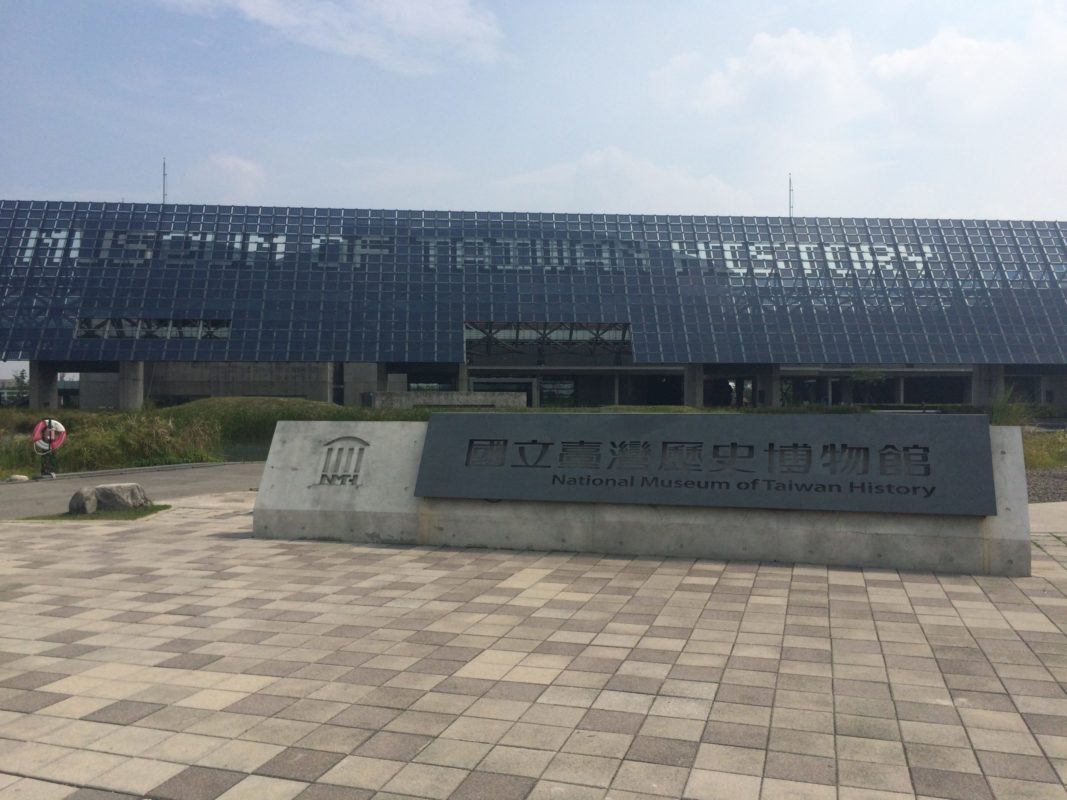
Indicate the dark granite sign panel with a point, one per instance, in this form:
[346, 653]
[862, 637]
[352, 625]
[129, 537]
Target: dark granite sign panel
[899, 463]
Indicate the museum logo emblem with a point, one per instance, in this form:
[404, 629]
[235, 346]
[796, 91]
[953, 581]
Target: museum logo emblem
[342, 461]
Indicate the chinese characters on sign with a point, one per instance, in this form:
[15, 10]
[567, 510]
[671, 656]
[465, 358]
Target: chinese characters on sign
[794, 458]
[860, 463]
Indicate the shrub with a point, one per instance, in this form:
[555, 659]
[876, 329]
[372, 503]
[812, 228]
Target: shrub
[1007, 409]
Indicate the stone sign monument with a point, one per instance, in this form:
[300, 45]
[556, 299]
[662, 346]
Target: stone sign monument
[943, 493]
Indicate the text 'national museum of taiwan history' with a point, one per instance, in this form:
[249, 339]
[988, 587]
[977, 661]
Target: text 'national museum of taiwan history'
[177, 302]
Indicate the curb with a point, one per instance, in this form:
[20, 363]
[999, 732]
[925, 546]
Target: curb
[126, 470]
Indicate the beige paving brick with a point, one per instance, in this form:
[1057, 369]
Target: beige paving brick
[138, 775]
[776, 789]
[516, 761]
[31, 789]
[717, 758]
[711, 785]
[239, 755]
[454, 753]
[257, 787]
[426, 780]
[598, 743]
[581, 769]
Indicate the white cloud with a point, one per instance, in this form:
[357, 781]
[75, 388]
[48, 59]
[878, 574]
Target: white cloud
[977, 74]
[955, 124]
[403, 35]
[613, 180]
[225, 178]
[794, 70]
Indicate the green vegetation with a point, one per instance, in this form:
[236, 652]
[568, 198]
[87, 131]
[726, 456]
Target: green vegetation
[249, 420]
[22, 384]
[241, 428]
[1007, 409]
[126, 513]
[1045, 449]
[108, 440]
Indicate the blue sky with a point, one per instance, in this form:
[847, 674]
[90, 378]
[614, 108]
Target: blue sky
[905, 108]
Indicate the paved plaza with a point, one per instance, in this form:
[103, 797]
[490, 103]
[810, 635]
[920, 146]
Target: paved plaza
[176, 657]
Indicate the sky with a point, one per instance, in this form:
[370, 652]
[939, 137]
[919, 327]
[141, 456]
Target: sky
[913, 108]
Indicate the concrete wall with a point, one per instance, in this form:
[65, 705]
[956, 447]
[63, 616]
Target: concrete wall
[238, 379]
[1057, 385]
[362, 378]
[98, 390]
[448, 399]
[987, 384]
[300, 497]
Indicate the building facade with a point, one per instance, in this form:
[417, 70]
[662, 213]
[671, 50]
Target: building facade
[182, 301]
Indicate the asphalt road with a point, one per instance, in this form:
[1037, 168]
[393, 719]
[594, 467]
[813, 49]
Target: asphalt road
[162, 484]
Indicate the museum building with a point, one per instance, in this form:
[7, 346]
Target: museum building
[176, 302]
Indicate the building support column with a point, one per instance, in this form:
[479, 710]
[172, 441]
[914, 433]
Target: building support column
[987, 384]
[362, 378]
[768, 388]
[846, 391]
[463, 378]
[131, 385]
[693, 392]
[898, 391]
[615, 390]
[44, 386]
[824, 391]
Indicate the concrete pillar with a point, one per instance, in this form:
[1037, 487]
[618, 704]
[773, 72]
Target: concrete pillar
[1054, 391]
[131, 385]
[824, 393]
[615, 390]
[362, 377]
[463, 378]
[768, 388]
[987, 384]
[898, 394]
[846, 391]
[44, 386]
[396, 382]
[693, 392]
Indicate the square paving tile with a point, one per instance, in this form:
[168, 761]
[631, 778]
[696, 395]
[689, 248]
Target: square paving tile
[493, 786]
[299, 764]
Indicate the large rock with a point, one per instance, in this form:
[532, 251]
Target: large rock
[83, 501]
[108, 497]
[120, 496]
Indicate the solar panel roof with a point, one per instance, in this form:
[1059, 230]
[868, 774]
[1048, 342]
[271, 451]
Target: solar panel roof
[114, 281]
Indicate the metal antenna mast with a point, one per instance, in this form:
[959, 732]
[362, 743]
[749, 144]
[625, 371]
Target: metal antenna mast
[164, 181]
[790, 195]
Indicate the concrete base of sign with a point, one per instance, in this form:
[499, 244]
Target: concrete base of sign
[302, 496]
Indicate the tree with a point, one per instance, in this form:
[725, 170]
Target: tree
[22, 384]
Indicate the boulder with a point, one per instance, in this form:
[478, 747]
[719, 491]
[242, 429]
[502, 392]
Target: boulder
[83, 501]
[120, 496]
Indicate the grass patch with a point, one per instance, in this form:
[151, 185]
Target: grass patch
[108, 440]
[126, 513]
[1007, 409]
[1045, 449]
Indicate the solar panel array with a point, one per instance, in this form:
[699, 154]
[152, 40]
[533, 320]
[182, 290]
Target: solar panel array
[120, 281]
